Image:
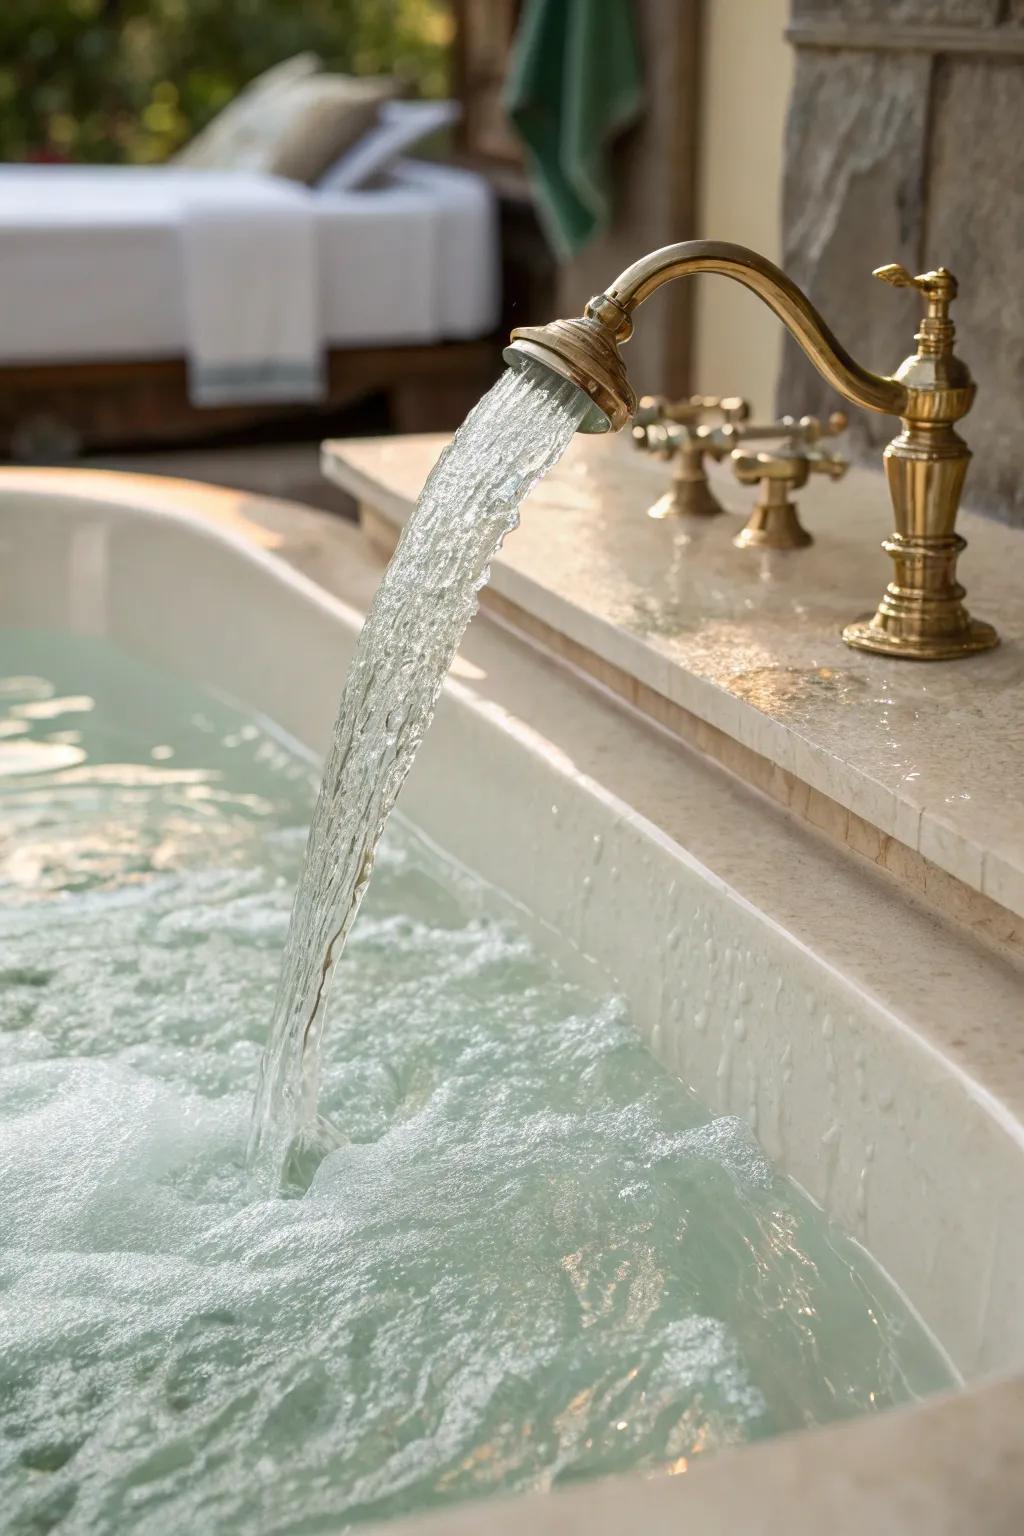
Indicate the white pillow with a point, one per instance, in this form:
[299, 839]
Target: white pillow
[400, 125]
[306, 127]
[213, 147]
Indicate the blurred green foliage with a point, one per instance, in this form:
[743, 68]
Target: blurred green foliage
[132, 80]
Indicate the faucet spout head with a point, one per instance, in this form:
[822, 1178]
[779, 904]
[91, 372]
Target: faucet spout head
[585, 352]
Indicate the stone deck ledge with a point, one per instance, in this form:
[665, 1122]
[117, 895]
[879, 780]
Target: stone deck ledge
[921, 759]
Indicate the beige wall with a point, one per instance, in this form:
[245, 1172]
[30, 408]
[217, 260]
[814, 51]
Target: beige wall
[745, 81]
[654, 196]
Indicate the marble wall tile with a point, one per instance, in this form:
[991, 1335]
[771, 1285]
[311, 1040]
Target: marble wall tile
[912, 157]
[853, 199]
[975, 226]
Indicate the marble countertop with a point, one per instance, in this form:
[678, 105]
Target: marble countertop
[932, 754]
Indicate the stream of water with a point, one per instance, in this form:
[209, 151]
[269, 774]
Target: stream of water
[427, 597]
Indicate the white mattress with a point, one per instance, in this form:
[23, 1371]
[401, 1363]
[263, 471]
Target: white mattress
[91, 258]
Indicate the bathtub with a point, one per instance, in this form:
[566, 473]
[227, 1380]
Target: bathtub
[877, 1053]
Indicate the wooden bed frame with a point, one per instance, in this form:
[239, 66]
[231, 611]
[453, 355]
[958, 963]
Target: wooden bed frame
[62, 409]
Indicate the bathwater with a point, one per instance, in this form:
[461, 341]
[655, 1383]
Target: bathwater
[536, 1257]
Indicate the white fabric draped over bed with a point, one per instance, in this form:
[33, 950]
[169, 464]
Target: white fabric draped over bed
[251, 277]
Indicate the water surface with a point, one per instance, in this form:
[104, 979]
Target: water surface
[537, 1258]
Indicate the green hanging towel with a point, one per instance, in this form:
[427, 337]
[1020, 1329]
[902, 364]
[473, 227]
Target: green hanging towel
[573, 85]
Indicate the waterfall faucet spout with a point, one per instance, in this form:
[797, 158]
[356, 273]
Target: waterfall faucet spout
[921, 615]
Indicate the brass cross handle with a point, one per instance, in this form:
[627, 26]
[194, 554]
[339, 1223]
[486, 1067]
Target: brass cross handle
[671, 429]
[689, 409]
[774, 523]
[806, 431]
[790, 470]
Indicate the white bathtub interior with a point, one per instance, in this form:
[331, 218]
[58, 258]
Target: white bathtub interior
[857, 1103]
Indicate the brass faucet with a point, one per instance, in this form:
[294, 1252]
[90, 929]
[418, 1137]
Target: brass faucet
[921, 614]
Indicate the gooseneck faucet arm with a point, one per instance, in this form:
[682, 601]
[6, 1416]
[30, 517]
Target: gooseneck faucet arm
[921, 615]
[780, 293]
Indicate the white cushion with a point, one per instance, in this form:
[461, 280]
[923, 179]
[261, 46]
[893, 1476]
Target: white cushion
[213, 146]
[400, 125]
[296, 129]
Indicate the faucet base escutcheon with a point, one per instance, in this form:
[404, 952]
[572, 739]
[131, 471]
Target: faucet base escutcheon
[886, 636]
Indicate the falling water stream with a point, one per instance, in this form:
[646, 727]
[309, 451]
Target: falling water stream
[428, 595]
